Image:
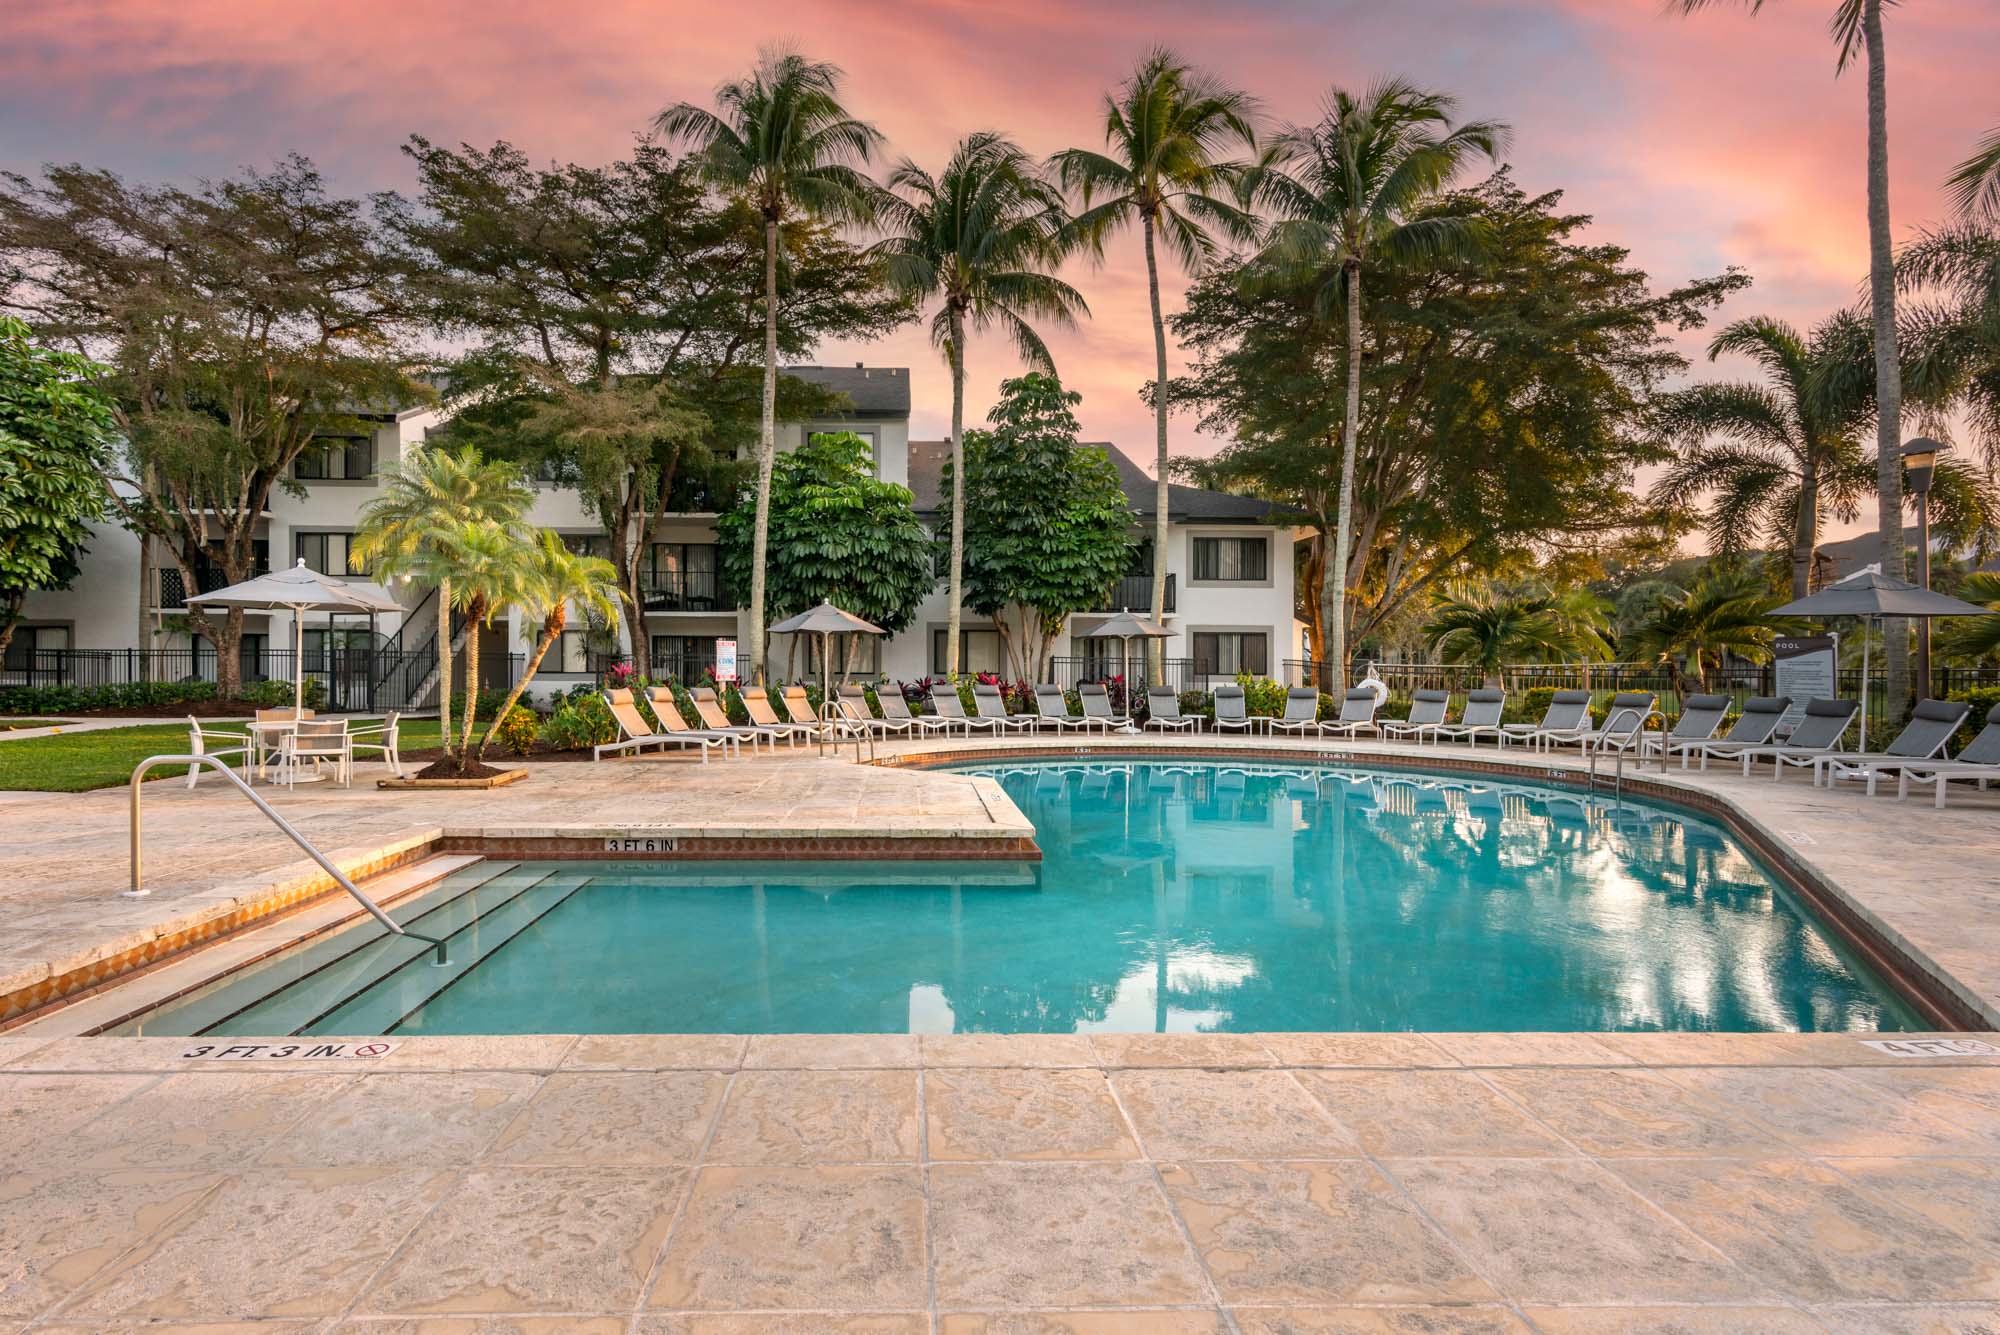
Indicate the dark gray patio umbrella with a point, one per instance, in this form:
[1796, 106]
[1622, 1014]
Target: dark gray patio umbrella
[1126, 627]
[1871, 595]
[826, 621]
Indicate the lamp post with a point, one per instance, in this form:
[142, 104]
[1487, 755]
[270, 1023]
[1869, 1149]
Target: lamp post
[1920, 459]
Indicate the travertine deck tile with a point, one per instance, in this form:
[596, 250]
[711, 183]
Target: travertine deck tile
[1530, 1049]
[1166, 1321]
[784, 1323]
[1386, 1050]
[1315, 1233]
[1673, 1321]
[1962, 1195]
[1428, 1113]
[1182, 1114]
[986, 1113]
[1907, 1320]
[799, 1117]
[614, 1119]
[1626, 1111]
[1827, 1113]
[192, 1120]
[656, 1052]
[60, 1232]
[420, 1119]
[1008, 1050]
[1208, 1051]
[1057, 1235]
[1377, 1321]
[823, 1052]
[533, 1240]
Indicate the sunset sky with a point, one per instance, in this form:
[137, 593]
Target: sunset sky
[1698, 143]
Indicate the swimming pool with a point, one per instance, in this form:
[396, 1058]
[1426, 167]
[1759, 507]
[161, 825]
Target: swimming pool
[1172, 896]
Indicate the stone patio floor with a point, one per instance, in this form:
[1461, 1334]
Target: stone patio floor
[1113, 1183]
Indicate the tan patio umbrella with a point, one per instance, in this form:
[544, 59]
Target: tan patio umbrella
[299, 591]
[826, 621]
[1126, 627]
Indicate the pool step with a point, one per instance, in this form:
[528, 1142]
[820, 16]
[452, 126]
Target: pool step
[395, 996]
[357, 958]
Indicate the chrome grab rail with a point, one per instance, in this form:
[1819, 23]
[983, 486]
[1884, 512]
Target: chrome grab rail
[1636, 737]
[374, 909]
[839, 711]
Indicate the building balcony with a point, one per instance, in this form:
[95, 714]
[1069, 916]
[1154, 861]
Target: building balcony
[1134, 593]
[172, 591]
[685, 591]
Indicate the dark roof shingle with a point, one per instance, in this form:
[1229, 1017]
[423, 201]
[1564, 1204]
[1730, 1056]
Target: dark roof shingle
[876, 391]
[1184, 504]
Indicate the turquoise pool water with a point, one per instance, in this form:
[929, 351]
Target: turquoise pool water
[1172, 897]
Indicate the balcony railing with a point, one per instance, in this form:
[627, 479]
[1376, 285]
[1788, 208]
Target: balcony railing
[174, 590]
[685, 591]
[1134, 593]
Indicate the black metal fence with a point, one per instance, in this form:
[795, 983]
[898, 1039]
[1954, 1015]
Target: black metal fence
[347, 677]
[1071, 671]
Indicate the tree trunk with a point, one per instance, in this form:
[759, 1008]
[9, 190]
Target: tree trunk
[444, 666]
[1156, 649]
[552, 627]
[1888, 374]
[1805, 533]
[1333, 608]
[227, 637]
[767, 449]
[475, 621]
[11, 617]
[957, 586]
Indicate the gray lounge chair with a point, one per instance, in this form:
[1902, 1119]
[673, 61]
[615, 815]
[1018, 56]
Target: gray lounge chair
[1700, 716]
[1301, 714]
[1755, 727]
[1922, 738]
[1357, 714]
[1427, 710]
[1052, 711]
[1096, 702]
[1817, 733]
[1483, 710]
[1163, 711]
[1624, 723]
[944, 699]
[1978, 763]
[1567, 719]
[992, 705]
[1231, 712]
[895, 709]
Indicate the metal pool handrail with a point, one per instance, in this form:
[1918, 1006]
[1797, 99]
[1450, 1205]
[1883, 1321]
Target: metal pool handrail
[211, 762]
[840, 711]
[1624, 744]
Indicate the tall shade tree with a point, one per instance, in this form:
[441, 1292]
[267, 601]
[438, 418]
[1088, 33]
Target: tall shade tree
[1856, 26]
[1167, 130]
[1974, 186]
[1724, 611]
[1344, 193]
[1769, 457]
[782, 139]
[55, 434]
[983, 237]
[426, 500]
[559, 579]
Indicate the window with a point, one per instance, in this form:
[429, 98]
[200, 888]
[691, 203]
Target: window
[681, 575]
[978, 650]
[1224, 653]
[1232, 560]
[683, 657]
[337, 459]
[571, 653]
[29, 641]
[324, 552]
[867, 433]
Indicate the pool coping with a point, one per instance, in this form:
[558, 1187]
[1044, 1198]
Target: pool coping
[1939, 996]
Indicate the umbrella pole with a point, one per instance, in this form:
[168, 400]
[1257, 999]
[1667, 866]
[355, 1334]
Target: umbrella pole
[1864, 683]
[298, 662]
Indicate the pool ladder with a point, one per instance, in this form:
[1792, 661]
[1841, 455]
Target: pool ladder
[1638, 738]
[441, 953]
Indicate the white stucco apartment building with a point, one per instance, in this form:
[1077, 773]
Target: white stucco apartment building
[1229, 566]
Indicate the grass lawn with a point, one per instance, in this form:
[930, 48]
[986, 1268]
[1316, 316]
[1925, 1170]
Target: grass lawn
[79, 761]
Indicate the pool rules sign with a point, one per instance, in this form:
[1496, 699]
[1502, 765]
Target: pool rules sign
[1805, 671]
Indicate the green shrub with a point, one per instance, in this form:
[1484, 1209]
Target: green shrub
[487, 702]
[162, 695]
[519, 730]
[1262, 697]
[1198, 702]
[1527, 706]
[1982, 699]
[276, 694]
[578, 725]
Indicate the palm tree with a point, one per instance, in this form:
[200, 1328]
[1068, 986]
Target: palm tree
[1167, 130]
[983, 237]
[492, 568]
[1725, 611]
[1342, 192]
[1974, 638]
[425, 498]
[782, 139]
[1488, 626]
[1975, 185]
[1857, 25]
[560, 578]
[1787, 448]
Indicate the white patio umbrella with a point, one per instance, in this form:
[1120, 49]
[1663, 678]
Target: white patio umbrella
[1871, 595]
[1126, 627]
[299, 591]
[826, 621]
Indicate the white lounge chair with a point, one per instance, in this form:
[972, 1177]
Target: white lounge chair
[1484, 708]
[382, 739]
[1357, 714]
[1700, 716]
[1301, 714]
[1817, 733]
[1427, 710]
[1096, 702]
[855, 699]
[1232, 712]
[1931, 725]
[715, 719]
[896, 709]
[201, 742]
[1163, 711]
[1755, 727]
[1567, 719]
[757, 704]
[1624, 723]
[1052, 711]
[992, 705]
[1978, 763]
[944, 699]
[679, 732]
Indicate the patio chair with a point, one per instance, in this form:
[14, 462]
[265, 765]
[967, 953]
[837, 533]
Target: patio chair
[1096, 702]
[1427, 710]
[757, 704]
[1624, 723]
[380, 738]
[715, 719]
[944, 699]
[1978, 763]
[1481, 717]
[317, 741]
[1700, 716]
[799, 705]
[854, 700]
[1818, 732]
[1232, 712]
[267, 727]
[1301, 714]
[201, 742]
[1052, 711]
[1567, 717]
[895, 709]
[678, 731]
[1357, 713]
[1757, 725]
[1931, 725]
[634, 732]
[991, 703]
[1163, 711]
